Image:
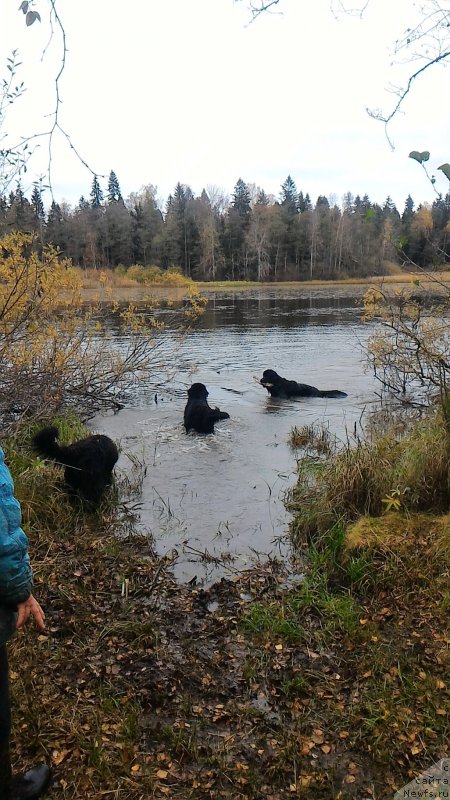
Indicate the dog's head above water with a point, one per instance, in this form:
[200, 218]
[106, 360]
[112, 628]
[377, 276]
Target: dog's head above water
[198, 391]
[269, 378]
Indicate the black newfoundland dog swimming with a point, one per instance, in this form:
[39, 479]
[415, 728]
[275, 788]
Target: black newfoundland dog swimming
[198, 415]
[280, 387]
[88, 463]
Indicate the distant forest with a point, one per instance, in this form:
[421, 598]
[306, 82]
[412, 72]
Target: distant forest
[250, 236]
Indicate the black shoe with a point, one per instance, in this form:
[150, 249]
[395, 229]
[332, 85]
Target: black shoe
[31, 784]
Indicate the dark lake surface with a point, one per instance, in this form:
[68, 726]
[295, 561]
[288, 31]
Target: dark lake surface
[221, 496]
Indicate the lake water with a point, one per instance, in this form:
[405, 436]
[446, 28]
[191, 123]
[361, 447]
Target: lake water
[218, 499]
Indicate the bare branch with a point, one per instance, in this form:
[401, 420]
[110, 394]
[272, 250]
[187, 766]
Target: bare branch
[18, 148]
[376, 114]
[257, 8]
[337, 7]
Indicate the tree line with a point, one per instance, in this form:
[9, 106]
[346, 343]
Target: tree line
[250, 236]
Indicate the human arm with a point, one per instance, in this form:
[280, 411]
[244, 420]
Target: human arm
[16, 580]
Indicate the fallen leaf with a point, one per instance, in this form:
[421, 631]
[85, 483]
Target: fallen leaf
[162, 773]
[58, 756]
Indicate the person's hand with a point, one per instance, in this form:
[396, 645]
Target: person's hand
[30, 606]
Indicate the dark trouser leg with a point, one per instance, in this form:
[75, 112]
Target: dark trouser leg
[5, 723]
[33, 783]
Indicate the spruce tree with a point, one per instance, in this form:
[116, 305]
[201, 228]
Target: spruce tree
[204, 197]
[304, 202]
[389, 205]
[83, 204]
[289, 199]
[96, 194]
[114, 193]
[241, 200]
[408, 212]
[366, 205]
[322, 202]
[37, 204]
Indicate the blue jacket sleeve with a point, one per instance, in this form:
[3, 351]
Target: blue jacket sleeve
[15, 571]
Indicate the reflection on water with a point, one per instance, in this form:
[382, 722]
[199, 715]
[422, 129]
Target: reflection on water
[312, 307]
[221, 496]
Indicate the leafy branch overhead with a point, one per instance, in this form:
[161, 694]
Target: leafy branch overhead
[30, 15]
[421, 157]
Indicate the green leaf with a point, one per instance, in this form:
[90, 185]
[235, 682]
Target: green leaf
[31, 17]
[419, 156]
[445, 168]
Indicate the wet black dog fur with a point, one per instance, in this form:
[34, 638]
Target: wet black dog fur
[88, 463]
[281, 387]
[198, 415]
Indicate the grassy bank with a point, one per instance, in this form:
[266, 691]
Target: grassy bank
[150, 278]
[140, 688]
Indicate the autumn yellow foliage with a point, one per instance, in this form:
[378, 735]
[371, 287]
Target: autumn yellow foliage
[408, 349]
[57, 351]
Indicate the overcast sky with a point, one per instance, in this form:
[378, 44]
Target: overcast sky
[162, 91]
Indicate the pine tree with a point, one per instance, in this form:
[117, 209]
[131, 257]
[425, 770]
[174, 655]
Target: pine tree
[114, 193]
[96, 194]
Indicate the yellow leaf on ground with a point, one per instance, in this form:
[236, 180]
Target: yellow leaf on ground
[58, 756]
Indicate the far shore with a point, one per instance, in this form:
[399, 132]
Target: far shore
[94, 288]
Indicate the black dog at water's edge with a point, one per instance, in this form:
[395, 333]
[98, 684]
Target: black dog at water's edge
[88, 462]
[280, 387]
[198, 415]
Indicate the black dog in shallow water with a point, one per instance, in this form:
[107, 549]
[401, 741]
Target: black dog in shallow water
[198, 414]
[88, 463]
[280, 387]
